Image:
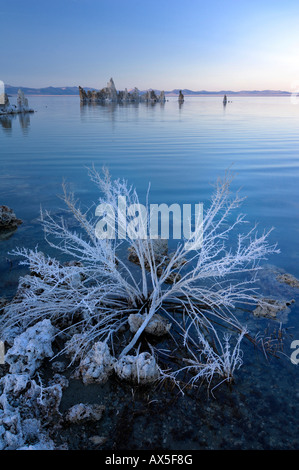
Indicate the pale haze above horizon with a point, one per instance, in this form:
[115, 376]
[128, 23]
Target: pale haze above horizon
[195, 44]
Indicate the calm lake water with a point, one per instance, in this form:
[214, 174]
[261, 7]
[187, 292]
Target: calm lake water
[180, 151]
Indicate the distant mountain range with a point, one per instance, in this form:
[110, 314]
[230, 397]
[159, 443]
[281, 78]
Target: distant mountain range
[73, 90]
[187, 92]
[68, 90]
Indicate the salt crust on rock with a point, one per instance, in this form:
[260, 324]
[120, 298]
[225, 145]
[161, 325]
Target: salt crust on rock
[25, 408]
[97, 365]
[82, 412]
[140, 369]
[157, 326]
[72, 346]
[30, 348]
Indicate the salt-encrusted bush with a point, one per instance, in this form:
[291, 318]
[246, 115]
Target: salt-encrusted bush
[98, 291]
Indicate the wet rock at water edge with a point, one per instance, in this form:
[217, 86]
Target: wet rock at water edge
[97, 365]
[8, 219]
[30, 348]
[141, 369]
[83, 412]
[22, 105]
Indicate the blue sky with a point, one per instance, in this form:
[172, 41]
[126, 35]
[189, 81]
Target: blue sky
[164, 44]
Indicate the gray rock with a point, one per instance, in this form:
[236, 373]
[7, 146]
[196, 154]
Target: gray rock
[7, 108]
[109, 94]
[97, 365]
[288, 279]
[269, 308]
[8, 219]
[30, 348]
[157, 326]
[141, 369]
[82, 412]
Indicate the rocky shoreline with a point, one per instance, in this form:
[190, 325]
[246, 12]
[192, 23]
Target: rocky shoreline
[47, 360]
[39, 405]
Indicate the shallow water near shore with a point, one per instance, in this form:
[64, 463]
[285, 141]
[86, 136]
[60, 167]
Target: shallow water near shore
[180, 151]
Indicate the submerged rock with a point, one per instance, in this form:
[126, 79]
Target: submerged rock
[269, 308]
[98, 440]
[141, 369]
[8, 219]
[158, 251]
[173, 278]
[157, 326]
[82, 412]
[288, 279]
[160, 258]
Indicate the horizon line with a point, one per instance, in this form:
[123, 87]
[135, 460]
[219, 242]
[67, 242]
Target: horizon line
[156, 89]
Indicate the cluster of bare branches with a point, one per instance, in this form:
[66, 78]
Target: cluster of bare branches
[98, 289]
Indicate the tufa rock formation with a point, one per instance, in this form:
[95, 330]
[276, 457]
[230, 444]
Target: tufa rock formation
[22, 104]
[109, 94]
